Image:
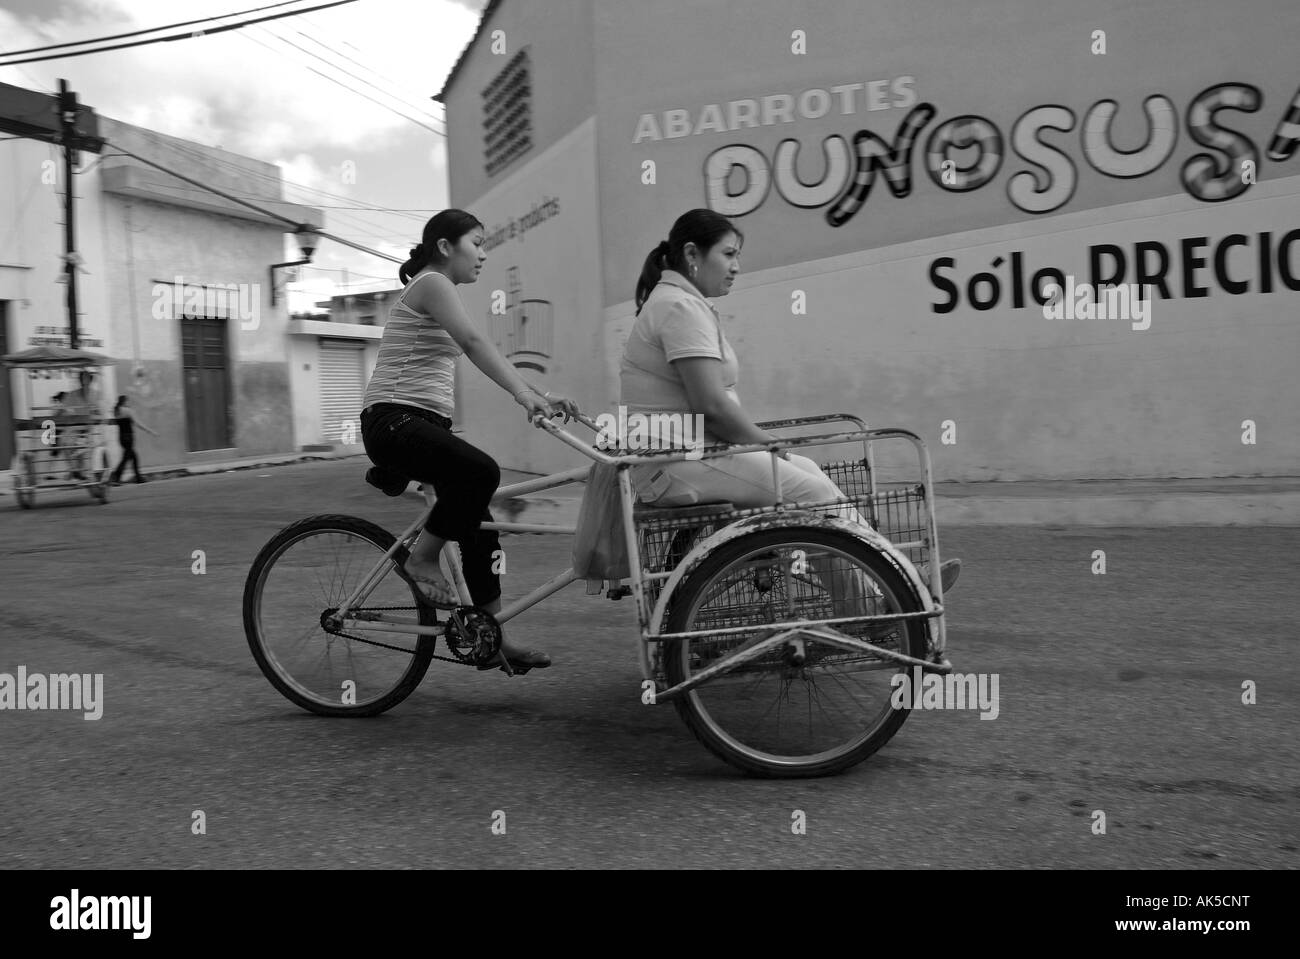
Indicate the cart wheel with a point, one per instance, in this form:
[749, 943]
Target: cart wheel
[811, 712]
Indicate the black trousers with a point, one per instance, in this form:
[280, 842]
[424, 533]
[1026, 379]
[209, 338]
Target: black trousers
[419, 445]
[128, 456]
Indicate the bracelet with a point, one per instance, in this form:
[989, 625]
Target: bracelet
[522, 392]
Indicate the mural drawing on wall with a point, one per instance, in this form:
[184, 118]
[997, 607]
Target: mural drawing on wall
[525, 330]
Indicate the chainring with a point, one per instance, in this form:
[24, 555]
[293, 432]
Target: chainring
[473, 635]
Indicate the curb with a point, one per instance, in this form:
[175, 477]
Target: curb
[200, 469]
[1241, 501]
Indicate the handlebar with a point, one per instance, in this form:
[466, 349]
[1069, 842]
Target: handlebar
[725, 449]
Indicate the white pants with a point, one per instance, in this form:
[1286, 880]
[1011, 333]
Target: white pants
[744, 479]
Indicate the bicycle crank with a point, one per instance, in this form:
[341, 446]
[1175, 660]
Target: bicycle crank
[473, 635]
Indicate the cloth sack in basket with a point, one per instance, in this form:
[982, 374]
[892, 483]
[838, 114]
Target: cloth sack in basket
[599, 546]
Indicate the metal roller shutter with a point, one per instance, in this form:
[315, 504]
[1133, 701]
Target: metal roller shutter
[342, 385]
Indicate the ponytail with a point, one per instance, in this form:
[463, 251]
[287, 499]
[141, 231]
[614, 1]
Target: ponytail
[449, 225]
[418, 261]
[655, 264]
[702, 227]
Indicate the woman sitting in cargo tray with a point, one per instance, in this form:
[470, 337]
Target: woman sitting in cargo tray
[677, 360]
[406, 416]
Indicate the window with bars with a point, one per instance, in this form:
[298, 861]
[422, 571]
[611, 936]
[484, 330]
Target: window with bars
[508, 114]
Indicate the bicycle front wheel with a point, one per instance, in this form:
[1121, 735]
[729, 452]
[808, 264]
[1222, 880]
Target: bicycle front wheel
[300, 578]
[786, 714]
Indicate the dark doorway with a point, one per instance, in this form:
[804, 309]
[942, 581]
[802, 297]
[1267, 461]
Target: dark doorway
[207, 383]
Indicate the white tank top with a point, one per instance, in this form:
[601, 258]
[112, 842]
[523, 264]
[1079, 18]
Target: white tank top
[417, 359]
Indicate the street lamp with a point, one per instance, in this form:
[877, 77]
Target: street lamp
[307, 243]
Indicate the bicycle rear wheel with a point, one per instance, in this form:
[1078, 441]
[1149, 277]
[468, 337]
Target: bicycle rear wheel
[303, 575]
[776, 716]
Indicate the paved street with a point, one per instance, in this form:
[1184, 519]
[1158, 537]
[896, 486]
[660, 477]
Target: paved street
[1119, 693]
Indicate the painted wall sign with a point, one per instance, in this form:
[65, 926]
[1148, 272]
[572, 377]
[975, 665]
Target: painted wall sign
[60, 336]
[515, 228]
[1236, 263]
[738, 178]
[752, 112]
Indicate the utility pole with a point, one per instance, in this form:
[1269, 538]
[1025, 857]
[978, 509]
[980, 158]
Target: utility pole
[68, 124]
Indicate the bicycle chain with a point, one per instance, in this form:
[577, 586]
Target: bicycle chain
[371, 642]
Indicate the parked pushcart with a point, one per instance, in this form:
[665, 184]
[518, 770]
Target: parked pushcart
[59, 445]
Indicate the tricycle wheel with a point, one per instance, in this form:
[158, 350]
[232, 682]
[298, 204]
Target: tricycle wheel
[807, 708]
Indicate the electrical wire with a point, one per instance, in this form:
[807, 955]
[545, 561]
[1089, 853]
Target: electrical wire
[278, 181]
[270, 213]
[386, 93]
[30, 78]
[351, 89]
[319, 29]
[137, 33]
[180, 36]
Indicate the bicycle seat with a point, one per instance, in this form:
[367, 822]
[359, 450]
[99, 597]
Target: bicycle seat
[390, 483]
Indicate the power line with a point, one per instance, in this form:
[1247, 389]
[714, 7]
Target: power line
[179, 36]
[270, 213]
[30, 78]
[363, 229]
[376, 209]
[326, 269]
[279, 181]
[350, 89]
[317, 27]
[400, 100]
[137, 33]
[389, 80]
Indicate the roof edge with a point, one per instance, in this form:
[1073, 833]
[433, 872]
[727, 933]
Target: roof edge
[441, 95]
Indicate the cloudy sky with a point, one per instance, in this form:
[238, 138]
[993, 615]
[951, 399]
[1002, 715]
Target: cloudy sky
[253, 91]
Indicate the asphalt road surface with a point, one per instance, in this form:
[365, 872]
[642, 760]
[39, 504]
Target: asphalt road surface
[1119, 692]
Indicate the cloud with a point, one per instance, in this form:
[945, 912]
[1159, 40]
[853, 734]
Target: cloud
[252, 90]
[253, 93]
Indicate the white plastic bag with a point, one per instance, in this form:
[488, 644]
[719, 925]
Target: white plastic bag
[599, 546]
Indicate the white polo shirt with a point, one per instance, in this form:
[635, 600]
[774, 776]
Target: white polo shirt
[675, 322]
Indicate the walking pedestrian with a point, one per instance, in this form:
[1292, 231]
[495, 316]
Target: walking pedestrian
[124, 416]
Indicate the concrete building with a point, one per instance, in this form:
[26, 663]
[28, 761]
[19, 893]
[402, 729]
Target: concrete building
[364, 309]
[177, 287]
[911, 179]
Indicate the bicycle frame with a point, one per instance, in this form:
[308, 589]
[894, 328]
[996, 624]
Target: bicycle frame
[738, 522]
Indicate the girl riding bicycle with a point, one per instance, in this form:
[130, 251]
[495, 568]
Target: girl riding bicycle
[408, 405]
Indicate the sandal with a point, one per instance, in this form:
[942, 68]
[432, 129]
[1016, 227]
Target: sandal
[439, 589]
[519, 664]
